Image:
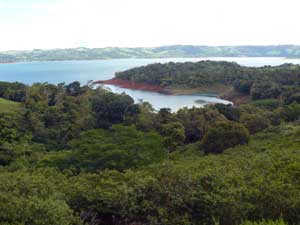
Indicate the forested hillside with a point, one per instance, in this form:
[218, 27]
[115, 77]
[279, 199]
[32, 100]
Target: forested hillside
[73, 154]
[277, 82]
[176, 51]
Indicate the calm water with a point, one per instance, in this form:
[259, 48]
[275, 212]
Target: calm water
[83, 71]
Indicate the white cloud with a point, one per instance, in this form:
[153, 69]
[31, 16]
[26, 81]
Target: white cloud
[100, 23]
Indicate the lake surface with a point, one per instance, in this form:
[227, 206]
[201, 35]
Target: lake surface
[84, 71]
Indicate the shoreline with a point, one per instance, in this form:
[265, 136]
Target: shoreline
[222, 91]
[181, 57]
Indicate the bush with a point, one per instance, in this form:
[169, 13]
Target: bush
[229, 111]
[291, 112]
[13, 91]
[224, 135]
[254, 123]
[174, 135]
[242, 86]
[265, 90]
[292, 98]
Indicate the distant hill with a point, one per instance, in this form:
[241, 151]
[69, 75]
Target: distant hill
[184, 51]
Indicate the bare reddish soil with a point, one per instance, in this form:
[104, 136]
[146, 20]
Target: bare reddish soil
[132, 85]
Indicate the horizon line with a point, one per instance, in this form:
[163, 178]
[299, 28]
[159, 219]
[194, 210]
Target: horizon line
[158, 46]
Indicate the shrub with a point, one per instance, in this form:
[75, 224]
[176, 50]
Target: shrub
[291, 112]
[254, 123]
[265, 90]
[174, 135]
[224, 135]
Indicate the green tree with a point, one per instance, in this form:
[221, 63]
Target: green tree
[147, 118]
[224, 135]
[197, 121]
[291, 112]
[229, 111]
[265, 90]
[254, 122]
[110, 108]
[174, 135]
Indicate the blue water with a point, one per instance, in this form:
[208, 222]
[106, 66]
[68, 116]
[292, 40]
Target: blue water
[84, 71]
[69, 71]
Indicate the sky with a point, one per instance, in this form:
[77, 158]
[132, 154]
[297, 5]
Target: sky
[47, 24]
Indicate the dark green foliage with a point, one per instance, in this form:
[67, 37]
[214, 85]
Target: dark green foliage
[184, 74]
[265, 90]
[254, 122]
[119, 148]
[273, 117]
[224, 135]
[55, 114]
[229, 111]
[291, 112]
[174, 134]
[110, 108]
[146, 120]
[243, 86]
[12, 91]
[164, 115]
[197, 121]
[8, 127]
[292, 98]
[74, 89]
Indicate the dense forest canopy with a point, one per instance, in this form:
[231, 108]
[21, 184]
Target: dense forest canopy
[184, 51]
[73, 154]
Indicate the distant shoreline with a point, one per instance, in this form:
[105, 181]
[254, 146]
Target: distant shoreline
[104, 59]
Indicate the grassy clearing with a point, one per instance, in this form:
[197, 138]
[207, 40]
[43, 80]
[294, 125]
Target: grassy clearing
[8, 106]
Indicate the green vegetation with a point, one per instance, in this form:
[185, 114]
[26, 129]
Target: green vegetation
[76, 155]
[119, 148]
[223, 136]
[188, 51]
[12, 91]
